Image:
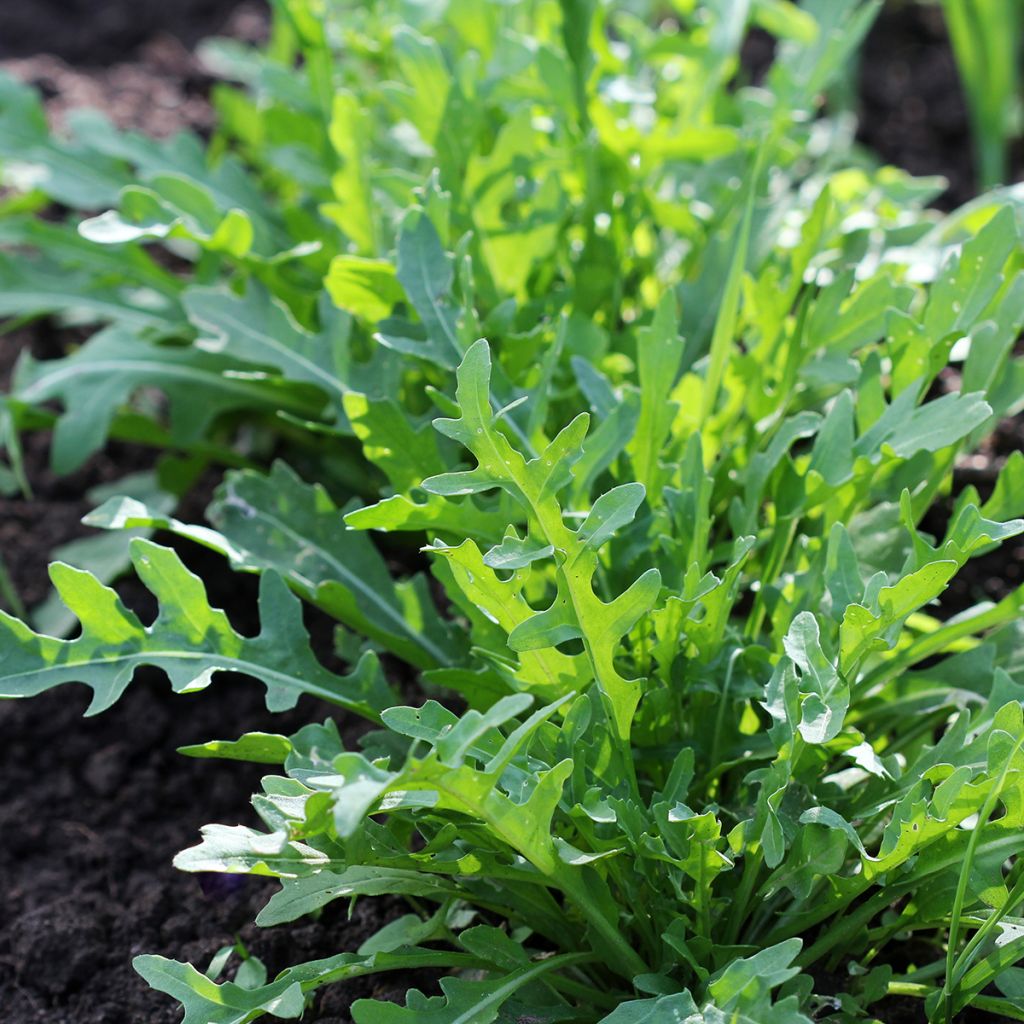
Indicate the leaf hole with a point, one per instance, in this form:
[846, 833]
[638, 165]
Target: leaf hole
[570, 647]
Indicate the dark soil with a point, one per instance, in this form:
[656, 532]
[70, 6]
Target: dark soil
[150, 82]
[992, 576]
[96, 33]
[912, 109]
[93, 810]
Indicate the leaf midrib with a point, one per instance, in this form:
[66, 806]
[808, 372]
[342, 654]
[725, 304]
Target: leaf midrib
[147, 367]
[148, 656]
[355, 583]
[288, 354]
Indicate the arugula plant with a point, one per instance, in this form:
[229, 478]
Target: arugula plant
[569, 181]
[697, 747]
[292, 242]
[545, 156]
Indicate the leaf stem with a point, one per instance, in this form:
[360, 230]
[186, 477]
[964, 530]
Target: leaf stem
[751, 869]
[952, 981]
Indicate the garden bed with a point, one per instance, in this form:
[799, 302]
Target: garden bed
[92, 812]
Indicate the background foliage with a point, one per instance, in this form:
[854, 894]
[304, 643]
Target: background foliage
[694, 748]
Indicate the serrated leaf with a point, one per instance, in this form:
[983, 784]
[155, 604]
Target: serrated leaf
[236, 849]
[105, 555]
[278, 522]
[31, 287]
[435, 515]
[190, 641]
[610, 513]
[971, 277]
[862, 628]
[825, 694]
[660, 352]
[905, 431]
[515, 553]
[426, 275]
[406, 452]
[303, 895]
[745, 983]
[671, 1009]
[464, 1001]
[174, 206]
[576, 611]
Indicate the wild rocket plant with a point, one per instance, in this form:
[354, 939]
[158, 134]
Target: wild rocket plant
[663, 379]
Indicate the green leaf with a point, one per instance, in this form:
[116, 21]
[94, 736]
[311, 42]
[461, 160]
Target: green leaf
[610, 513]
[435, 515]
[515, 553]
[863, 628]
[671, 1009]
[366, 288]
[114, 364]
[426, 275]
[576, 610]
[106, 555]
[425, 79]
[905, 431]
[31, 287]
[258, 747]
[745, 983]
[825, 695]
[190, 641]
[971, 278]
[205, 1002]
[354, 208]
[277, 522]
[303, 895]
[236, 849]
[257, 328]
[502, 603]
[464, 1001]
[66, 170]
[785, 20]
[660, 354]
[728, 311]
[1007, 499]
[845, 320]
[173, 207]
[208, 1003]
[406, 452]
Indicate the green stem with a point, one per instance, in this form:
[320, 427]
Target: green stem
[989, 1004]
[9, 595]
[934, 643]
[723, 701]
[852, 924]
[781, 544]
[751, 870]
[629, 963]
[963, 961]
[952, 979]
[728, 311]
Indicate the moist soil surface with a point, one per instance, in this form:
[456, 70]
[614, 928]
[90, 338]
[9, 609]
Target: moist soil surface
[93, 809]
[98, 33]
[912, 108]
